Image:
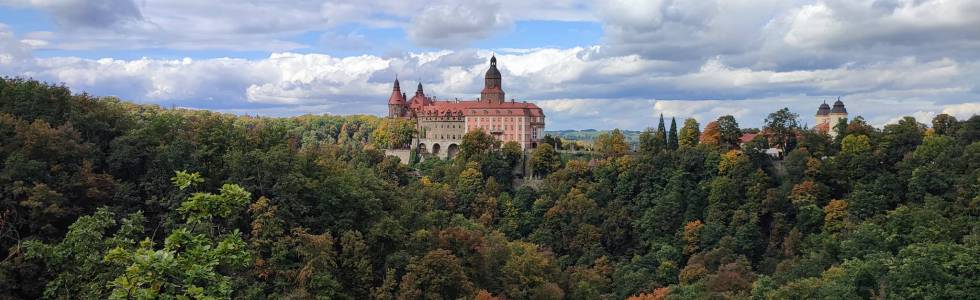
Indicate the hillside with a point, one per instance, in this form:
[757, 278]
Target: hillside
[102, 198]
[589, 135]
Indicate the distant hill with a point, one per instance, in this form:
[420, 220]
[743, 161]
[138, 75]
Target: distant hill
[588, 135]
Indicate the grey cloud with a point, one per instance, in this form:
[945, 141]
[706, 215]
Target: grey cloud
[73, 14]
[792, 35]
[456, 25]
[287, 84]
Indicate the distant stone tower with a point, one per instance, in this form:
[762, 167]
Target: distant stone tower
[397, 107]
[828, 117]
[493, 92]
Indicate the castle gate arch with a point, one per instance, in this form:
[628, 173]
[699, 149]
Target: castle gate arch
[452, 150]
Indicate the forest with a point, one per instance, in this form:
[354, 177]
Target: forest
[106, 199]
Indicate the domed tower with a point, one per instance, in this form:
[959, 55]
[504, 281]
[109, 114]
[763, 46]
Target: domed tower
[838, 108]
[837, 114]
[823, 113]
[823, 118]
[492, 92]
[396, 103]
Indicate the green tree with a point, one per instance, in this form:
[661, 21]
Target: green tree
[781, 126]
[661, 134]
[468, 186]
[944, 124]
[611, 144]
[649, 143]
[728, 132]
[354, 267]
[394, 133]
[544, 161]
[690, 134]
[437, 275]
[195, 258]
[672, 142]
[526, 269]
[477, 145]
[77, 261]
[898, 139]
[512, 153]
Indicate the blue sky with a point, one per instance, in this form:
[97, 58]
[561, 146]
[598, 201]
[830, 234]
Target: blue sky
[601, 64]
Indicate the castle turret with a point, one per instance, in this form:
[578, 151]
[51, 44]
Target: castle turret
[493, 91]
[396, 103]
[828, 118]
[419, 100]
[838, 108]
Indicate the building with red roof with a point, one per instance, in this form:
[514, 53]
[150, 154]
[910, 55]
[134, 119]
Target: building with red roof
[442, 123]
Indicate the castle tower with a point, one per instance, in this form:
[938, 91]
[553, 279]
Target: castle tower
[827, 118]
[493, 92]
[837, 113]
[823, 114]
[396, 103]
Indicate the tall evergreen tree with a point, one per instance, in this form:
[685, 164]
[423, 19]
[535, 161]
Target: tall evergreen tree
[672, 135]
[662, 131]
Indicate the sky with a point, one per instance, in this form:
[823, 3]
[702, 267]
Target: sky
[588, 64]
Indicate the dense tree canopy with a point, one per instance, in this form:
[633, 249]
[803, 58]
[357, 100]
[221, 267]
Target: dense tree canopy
[101, 198]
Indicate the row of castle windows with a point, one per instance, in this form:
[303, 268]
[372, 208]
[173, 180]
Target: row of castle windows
[500, 127]
[497, 119]
[481, 119]
[449, 126]
[442, 136]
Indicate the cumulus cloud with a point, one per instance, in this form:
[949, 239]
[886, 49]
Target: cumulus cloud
[274, 25]
[792, 35]
[697, 59]
[83, 13]
[15, 54]
[577, 87]
[455, 25]
[861, 24]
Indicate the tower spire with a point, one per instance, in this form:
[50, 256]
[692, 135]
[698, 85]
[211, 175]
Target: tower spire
[492, 90]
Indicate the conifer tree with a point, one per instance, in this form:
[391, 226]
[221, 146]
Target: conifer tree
[672, 135]
[662, 131]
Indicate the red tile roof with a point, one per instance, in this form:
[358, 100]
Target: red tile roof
[747, 137]
[477, 108]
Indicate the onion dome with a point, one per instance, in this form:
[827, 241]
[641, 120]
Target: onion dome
[824, 109]
[493, 73]
[838, 108]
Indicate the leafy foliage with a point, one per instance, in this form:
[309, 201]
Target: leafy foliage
[91, 207]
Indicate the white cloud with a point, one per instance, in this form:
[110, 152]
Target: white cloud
[456, 25]
[962, 110]
[84, 13]
[577, 87]
[274, 25]
[682, 58]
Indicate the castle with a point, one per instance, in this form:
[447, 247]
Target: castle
[828, 117]
[442, 124]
